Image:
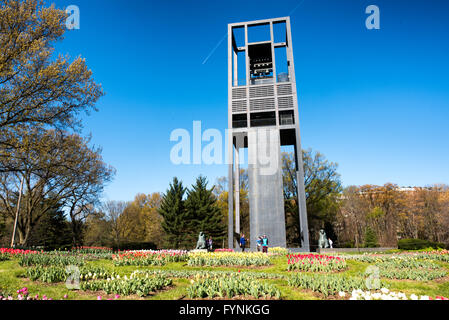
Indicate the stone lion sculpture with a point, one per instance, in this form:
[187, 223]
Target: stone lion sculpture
[323, 242]
[201, 244]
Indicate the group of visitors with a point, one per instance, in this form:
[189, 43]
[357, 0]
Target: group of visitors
[262, 242]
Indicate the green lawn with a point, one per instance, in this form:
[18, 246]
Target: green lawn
[12, 278]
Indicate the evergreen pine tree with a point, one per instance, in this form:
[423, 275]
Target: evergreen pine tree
[370, 238]
[172, 210]
[203, 211]
[52, 231]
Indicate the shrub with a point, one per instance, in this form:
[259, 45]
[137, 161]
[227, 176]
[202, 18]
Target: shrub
[418, 244]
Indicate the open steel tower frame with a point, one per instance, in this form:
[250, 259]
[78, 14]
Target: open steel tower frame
[263, 116]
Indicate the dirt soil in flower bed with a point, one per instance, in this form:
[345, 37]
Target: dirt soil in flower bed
[438, 280]
[319, 295]
[444, 279]
[106, 296]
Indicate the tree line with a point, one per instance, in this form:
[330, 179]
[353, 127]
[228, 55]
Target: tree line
[169, 220]
[390, 213]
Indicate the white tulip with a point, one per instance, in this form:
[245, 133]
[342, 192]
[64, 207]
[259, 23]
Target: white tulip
[376, 295]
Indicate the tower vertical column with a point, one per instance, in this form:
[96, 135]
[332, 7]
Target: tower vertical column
[266, 201]
[237, 187]
[229, 146]
[304, 233]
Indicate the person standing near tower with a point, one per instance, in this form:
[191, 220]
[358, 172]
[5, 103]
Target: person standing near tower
[242, 242]
[265, 244]
[209, 244]
[259, 243]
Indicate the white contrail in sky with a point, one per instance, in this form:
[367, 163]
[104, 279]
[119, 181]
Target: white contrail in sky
[215, 48]
[224, 37]
[291, 12]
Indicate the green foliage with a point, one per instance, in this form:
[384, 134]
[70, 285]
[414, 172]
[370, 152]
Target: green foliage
[418, 244]
[52, 231]
[13, 277]
[228, 259]
[412, 274]
[54, 274]
[4, 256]
[137, 285]
[370, 238]
[203, 212]
[239, 285]
[206, 273]
[144, 261]
[38, 259]
[175, 218]
[322, 187]
[184, 219]
[404, 263]
[410, 268]
[327, 284]
[316, 263]
[376, 213]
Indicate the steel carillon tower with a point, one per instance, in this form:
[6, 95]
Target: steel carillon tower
[262, 117]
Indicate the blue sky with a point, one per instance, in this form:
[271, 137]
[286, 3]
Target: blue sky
[374, 101]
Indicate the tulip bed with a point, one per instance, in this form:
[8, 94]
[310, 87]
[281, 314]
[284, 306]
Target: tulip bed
[148, 257]
[54, 274]
[203, 274]
[442, 255]
[410, 269]
[412, 274]
[327, 284]
[141, 286]
[44, 259]
[7, 253]
[315, 263]
[224, 274]
[228, 259]
[93, 252]
[229, 287]
[278, 251]
[401, 263]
